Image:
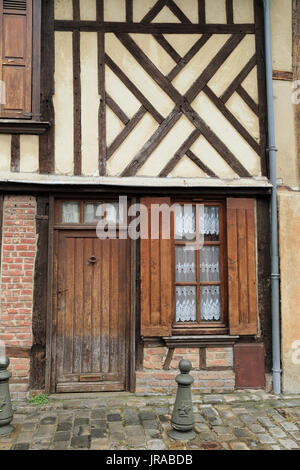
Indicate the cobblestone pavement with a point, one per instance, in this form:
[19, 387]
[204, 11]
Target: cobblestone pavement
[248, 420]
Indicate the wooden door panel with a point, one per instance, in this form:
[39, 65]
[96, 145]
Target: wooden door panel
[92, 310]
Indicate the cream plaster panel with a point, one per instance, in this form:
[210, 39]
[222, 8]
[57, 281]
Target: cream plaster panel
[233, 65]
[250, 84]
[141, 8]
[167, 148]
[199, 62]
[113, 126]
[5, 152]
[154, 52]
[138, 76]
[210, 157]
[29, 153]
[90, 101]
[226, 132]
[131, 145]
[189, 8]
[245, 115]
[182, 43]
[215, 11]
[121, 94]
[285, 134]
[63, 9]
[186, 168]
[88, 10]
[282, 34]
[166, 16]
[114, 10]
[63, 103]
[289, 229]
[243, 11]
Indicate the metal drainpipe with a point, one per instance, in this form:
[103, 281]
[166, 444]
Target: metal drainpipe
[275, 276]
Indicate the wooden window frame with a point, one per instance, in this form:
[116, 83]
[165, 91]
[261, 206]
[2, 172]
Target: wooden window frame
[12, 123]
[199, 327]
[58, 224]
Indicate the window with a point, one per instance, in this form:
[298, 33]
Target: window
[20, 58]
[89, 213]
[199, 265]
[211, 291]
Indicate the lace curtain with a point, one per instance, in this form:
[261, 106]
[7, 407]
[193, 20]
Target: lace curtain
[186, 269]
[186, 303]
[210, 305]
[70, 213]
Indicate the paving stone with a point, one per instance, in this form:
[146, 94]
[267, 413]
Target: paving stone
[48, 420]
[29, 426]
[62, 436]
[99, 414]
[81, 442]
[277, 432]
[117, 436]
[45, 430]
[211, 415]
[64, 427]
[21, 446]
[99, 444]
[83, 430]
[241, 432]
[26, 436]
[114, 417]
[289, 444]
[147, 415]
[156, 444]
[200, 427]
[256, 428]
[98, 433]
[60, 445]
[296, 435]
[287, 426]
[238, 446]
[266, 422]
[152, 433]
[132, 421]
[98, 423]
[265, 439]
[81, 421]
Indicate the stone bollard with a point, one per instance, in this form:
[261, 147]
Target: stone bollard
[182, 420]
[6, 412]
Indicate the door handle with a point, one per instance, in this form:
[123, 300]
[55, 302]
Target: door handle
[93, 260]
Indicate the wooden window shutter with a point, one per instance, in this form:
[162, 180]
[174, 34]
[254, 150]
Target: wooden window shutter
[242, 289]
[16, 57]
[156, 278]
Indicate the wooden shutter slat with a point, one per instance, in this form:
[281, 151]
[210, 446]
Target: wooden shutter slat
[242, 289]
[156, 278]
[16, 58]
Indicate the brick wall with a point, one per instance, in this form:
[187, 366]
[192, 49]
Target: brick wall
[16, 283]
[154, 380]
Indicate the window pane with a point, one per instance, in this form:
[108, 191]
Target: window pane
[210, 303]
[185, 265]
[186, 303]
[185, 222]
[93, 215]
[70, 213]
[209, 223]
[210, 264]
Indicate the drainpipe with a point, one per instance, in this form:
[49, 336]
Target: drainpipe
[275, 276]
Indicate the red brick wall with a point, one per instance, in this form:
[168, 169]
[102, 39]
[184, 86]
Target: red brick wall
[153, 380]
[16, 282]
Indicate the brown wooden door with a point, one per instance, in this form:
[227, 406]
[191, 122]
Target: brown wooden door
[92, 312]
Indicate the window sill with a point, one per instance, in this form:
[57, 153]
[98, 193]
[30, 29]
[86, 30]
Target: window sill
[196, 341]
[9, 126]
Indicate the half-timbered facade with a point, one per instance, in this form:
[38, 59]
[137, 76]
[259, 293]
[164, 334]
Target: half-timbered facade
[161, 101]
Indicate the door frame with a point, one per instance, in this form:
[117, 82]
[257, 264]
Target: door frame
[50, 378]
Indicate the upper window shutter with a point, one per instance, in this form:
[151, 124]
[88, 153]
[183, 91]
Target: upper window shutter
[242, 290]
[16, 57]
[156, 278]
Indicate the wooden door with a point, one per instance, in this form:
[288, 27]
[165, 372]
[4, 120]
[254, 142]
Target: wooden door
[92, 312]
